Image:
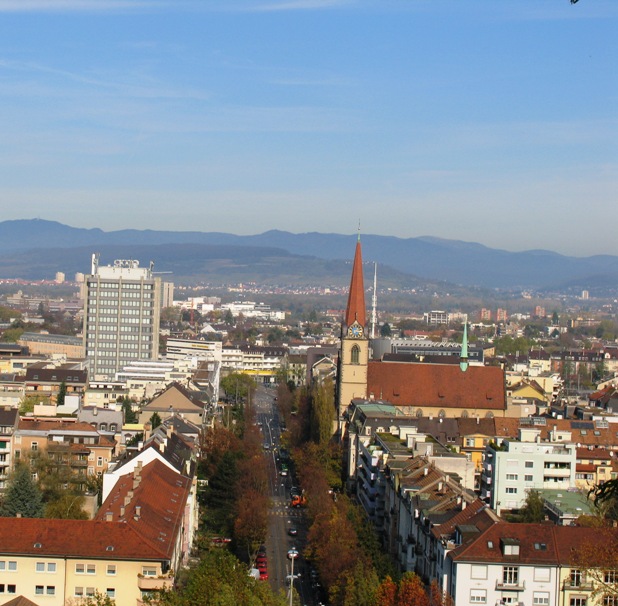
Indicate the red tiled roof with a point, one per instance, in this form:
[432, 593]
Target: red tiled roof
[538, 543]
[74, 538]
[161, 495]
[437, 385]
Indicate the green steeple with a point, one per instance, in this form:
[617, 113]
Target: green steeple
[463, 359]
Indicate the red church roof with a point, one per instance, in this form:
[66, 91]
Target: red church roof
[437, 385]
[355, 309]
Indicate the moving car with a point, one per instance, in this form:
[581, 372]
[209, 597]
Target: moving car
[293, 553]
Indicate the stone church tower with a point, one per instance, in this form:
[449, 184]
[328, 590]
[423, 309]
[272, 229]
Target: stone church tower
[354, 354]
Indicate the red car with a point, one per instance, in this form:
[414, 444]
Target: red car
[263, 575]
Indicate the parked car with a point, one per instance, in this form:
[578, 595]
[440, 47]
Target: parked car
[293, 531]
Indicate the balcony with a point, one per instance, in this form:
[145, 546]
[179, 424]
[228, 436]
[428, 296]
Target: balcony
[576, 585]
[149, 583]
[516, 586]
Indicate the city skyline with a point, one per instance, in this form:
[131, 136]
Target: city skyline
[473, 121]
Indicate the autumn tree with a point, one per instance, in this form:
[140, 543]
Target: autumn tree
[322, 412]
[411, 591]
[597, 558]
[386, 594]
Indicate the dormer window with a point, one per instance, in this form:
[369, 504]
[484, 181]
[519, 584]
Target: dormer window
[510, 547]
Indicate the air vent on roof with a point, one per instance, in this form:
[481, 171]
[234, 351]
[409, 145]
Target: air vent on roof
[109, 548]
[38, 545]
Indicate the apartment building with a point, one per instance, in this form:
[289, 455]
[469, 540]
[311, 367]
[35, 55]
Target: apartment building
[140, 539]
[121, 316]
[515, 467]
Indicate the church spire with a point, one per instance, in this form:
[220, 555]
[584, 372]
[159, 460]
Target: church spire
[355, 311]
[463, 360]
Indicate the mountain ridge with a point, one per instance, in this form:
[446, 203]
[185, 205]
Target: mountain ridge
[428, 257]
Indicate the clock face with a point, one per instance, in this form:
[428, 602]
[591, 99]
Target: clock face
[356, 331]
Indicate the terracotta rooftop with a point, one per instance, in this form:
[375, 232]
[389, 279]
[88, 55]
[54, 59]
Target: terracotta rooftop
[437, 385]
[150, 501]
[74, 538]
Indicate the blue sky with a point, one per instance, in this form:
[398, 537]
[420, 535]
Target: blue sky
[493, 121]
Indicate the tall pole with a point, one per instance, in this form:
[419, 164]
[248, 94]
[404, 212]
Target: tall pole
[374, 302]
[292, 581]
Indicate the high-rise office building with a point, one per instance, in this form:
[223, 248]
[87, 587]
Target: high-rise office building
[122, 309]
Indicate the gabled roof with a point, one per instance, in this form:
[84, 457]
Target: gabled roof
[437, 385]
[539, 544]
[177, 398]
[92, 539]
[150, 501]
[20, 601]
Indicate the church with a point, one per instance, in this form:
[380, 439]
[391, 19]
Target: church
[440, 390]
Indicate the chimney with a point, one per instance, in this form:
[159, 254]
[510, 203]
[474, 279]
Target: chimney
[138, 465]
[136, 481]
[425, 471]
[122, 511]
[95, 411]
[109, 516]
[127, 500]
[138, 512]
[18, 514]
[440, 486]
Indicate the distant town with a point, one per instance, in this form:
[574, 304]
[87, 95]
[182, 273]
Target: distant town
[310, 444]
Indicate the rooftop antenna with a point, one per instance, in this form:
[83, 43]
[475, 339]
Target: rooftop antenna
[374, 302]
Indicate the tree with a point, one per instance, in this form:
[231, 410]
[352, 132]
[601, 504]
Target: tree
[28, 403]
[127, 409]
[385, 330]
[155, 420]
[22, 495]
[411, 591]
[98, 599]
[68, 507]
[534, 509]
[386, 594]
[62, 392]
[228, 318]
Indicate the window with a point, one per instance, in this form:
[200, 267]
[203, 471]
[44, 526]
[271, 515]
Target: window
[34, 446]
[89, 592]
[91, 569]
[577, 601]
[80, 569]
[355, 355]
[111, 569]
[478, 571]
[111, 592]
[470, 442]
[511, 490]
[510, 575]
[610, 576]
[39, 590]
[540, 598]
[610, 600]
[51, 567]
[40, 566]
[511, 476]
[12, 565]
[79, 592]
[576, 577]
[478, 596]
[149, 571]
[541, 573]
[11, 589]
[529, 464]
[50, 590]
[528, 478]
